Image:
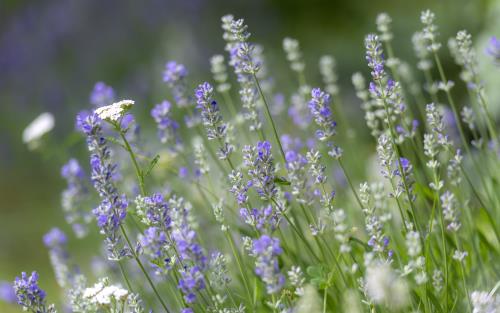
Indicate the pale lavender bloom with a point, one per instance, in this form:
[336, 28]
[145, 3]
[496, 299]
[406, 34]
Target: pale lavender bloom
[74, 197]
[260, 164]
[175, 76]
[263, 219]
[494, 49]
[266, 249]
[212, 119]
[7, 293]
[167, 126]
[322, 113]
[102, 95]
[56, 242]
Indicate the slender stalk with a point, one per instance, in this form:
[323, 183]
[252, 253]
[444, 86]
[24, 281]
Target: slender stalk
[239, 263]
[139, 263]
[270, 117]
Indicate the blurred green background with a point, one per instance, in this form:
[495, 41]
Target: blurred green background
[53, 51]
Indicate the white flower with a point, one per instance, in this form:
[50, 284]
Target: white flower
[384, 286]
[93, 291]
[37, 128]
[114, 111]
[103, 295]
[484, 302]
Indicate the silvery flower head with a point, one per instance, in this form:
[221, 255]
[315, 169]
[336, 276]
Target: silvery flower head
[327, 66]
[102, 95]
[383, 22]
[293, 54]
[430, 31]
[219, 72]
[421, 51]
[450, 214]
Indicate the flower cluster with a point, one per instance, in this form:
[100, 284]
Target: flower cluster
[266, 250]
[29, 295]
[260, 164]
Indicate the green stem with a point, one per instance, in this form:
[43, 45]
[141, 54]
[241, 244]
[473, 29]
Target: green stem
[270, 117]
[139, 263]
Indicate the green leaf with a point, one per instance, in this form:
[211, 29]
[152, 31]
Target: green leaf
[282, 181]
[115, 141]
[151, 165]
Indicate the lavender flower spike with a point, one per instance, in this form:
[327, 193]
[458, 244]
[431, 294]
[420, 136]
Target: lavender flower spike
[29, 295]
[212, 118]
[266, 250]
[320, 110]
[175, 78]
[113, 208]
[260, 163]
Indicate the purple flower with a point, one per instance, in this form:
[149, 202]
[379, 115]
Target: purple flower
[7, 293]
[29, 295]
[260, 163]
[322, 113]
[374, 56]
[238, 188]
[167, 126]
[102, 95]
[54, 238]
[212, 118]
[113, 208]
[262, 219]
[266, 250]
[493, 49]
[175, 76]
[191, 282]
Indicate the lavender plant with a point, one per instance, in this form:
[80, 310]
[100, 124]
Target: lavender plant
[235, 215]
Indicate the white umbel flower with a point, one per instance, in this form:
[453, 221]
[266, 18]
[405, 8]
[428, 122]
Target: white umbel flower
[37, 128]
[104, 295]
[114, 111]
